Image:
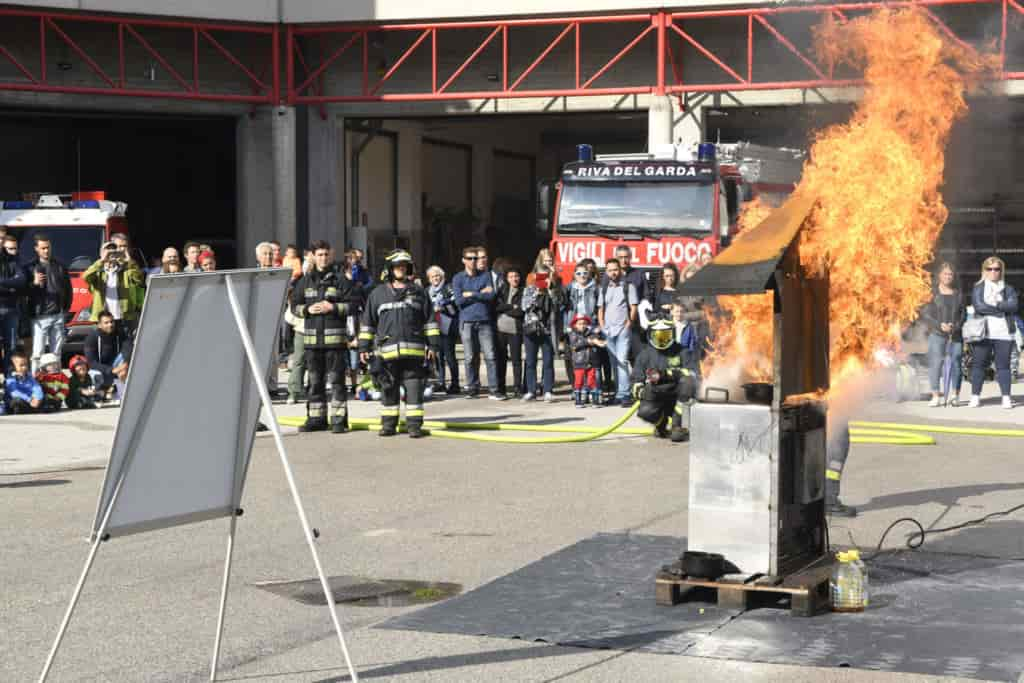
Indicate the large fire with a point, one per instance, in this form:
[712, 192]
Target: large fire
[877, 177]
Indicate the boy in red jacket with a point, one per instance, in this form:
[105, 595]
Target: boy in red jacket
[54, 383]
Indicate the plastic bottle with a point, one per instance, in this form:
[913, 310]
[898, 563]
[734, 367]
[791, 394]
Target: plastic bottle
[847, 584]
[865, 581]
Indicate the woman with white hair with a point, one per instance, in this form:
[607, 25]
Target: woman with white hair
[443, 299]
[996, 302]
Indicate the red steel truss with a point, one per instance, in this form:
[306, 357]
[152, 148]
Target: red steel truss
[666, 76]
[193, 38]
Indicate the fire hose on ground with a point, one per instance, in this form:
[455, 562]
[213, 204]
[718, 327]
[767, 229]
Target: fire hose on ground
[885, 433]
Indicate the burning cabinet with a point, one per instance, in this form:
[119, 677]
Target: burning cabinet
[757, 462]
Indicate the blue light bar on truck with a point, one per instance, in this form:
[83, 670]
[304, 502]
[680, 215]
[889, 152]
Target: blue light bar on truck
[85, 204]
[706, 151]
[19, 205]
[584, 153]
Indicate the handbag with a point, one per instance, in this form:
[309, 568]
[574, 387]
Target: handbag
[975, 330]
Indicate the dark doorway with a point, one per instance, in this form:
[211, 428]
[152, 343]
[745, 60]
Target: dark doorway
[177, 175]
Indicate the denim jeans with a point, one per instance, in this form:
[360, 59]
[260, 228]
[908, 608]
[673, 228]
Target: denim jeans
[47, 336]
[478, 338]
[446, 361]
[618, 353]
[9, 319]
[983, 352]
[531, 344]
[936, 359]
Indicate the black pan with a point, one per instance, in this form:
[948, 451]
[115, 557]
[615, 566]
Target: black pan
[701, 565]
[759, 392]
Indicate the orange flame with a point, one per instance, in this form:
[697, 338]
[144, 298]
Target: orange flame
[879, 209]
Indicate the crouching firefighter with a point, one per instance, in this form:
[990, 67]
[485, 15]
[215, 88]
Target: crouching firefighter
[398, 326]
[661, 383]
[321, 299]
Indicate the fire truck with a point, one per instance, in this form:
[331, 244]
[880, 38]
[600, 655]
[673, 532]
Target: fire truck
[78, 224]
[675, 205]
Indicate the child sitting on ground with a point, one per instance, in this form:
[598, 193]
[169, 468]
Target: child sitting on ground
[23, 392]
[584, 342]
[82, 391]
[53, 381]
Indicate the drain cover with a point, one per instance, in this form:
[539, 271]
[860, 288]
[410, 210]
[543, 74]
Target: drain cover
[361, 591]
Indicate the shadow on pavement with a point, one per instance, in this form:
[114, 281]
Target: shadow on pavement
[34, 483]
[948, 496]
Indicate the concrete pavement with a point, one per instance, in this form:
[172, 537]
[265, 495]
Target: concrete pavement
[433, 510]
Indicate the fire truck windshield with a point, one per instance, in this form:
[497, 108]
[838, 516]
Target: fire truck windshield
[75, 246]
[617, 208]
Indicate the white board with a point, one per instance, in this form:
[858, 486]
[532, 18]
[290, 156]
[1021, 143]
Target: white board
[188, 417]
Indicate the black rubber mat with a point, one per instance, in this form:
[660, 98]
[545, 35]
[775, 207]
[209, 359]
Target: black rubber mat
[931, 613]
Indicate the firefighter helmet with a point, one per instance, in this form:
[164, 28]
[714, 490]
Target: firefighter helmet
[398, 257]
[661, 333]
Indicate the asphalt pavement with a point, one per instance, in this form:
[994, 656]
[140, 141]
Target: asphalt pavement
[434, 510]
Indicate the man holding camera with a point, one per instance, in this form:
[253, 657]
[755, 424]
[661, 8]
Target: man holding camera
[50, 299]
[116, 284]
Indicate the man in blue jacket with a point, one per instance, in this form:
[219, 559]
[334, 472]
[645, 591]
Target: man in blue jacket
[474, 295]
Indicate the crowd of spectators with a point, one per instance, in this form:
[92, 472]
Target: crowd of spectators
[514, 322]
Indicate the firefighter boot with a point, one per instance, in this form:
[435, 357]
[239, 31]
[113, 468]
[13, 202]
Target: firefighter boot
[680, 434]
[415, 430]
[661, 428]
[340, 424]
[313, 424]
[833, 506]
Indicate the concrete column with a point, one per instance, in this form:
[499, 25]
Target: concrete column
[688, 124]
[255, 184]
[326, 178]
[483, 188]
[410, 188]
[659, 123]
[283, 160]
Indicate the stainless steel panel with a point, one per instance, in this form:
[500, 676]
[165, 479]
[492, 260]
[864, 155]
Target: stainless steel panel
[732, 448]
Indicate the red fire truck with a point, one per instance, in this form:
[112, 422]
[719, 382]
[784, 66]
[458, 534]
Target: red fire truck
[671, 206]
[78, 225]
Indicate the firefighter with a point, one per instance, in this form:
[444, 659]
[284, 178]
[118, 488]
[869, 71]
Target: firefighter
[837, 449]
[398, 326]
[662, 383]
[321, 299]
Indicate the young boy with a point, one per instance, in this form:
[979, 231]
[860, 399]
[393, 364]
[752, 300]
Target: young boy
[24, 395]
[584, 344]
[82, 391]
[53, 381]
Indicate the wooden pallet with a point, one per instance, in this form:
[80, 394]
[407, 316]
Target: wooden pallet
[807, 589]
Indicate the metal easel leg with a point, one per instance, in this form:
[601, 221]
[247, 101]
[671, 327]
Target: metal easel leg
[223, 597]
[260, 380]
[71, 609]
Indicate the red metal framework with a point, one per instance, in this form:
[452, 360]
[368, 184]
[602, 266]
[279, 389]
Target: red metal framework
[674, 33]
[190, 38]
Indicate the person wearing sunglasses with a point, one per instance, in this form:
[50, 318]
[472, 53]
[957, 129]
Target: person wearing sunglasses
[474, 295]
[994, 299]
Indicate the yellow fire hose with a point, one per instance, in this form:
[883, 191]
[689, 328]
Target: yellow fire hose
[896, 434]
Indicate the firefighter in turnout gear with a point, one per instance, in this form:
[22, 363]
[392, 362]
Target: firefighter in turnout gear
[321, 299]
[661, 383]
[399, 327]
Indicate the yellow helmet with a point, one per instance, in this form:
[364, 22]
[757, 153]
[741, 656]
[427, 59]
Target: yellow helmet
[661, 334]
[398, 257]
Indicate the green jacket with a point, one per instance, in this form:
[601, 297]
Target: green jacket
[131, 289]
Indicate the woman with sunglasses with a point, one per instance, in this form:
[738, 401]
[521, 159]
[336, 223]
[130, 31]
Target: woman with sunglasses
[997, 302]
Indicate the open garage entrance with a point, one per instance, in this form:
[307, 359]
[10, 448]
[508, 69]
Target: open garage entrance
[467, 180]
[177, 175]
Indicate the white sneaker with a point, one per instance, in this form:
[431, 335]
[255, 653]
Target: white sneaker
[549, 397]
[290, 401]
[528, 396]
[1007, 402]
[935, 402]
[975, 401]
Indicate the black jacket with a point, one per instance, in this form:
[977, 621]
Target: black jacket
[101, 350]
[511, 307]
[13, 281]
[55, 296]
[942, 309]
[400, 323]
[1007, 307]
[323, 330]
[670, 363]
